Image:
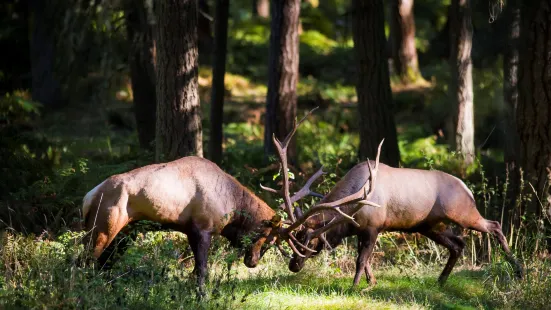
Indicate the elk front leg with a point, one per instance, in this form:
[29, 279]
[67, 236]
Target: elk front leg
[199, 242]
[366, 243]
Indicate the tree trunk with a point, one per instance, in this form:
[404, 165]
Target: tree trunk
[179, 131]
[204, 32]
[510, 82]
[461, 85]
[402, 36]
[142, 73]
[261, 8]
[534, 102]
[373, 85]
[45, 87]
[281, 101]
[218, 74]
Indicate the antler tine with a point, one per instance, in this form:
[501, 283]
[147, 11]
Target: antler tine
[322, 238]
[315, 210]
[282, 152]
[378, 155]
[305, 190]
[281, 249]
[300, 244]
[295, 127]
[269, 189]
[297, 252]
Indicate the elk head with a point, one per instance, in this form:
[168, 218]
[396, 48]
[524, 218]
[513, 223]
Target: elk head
[276, 230]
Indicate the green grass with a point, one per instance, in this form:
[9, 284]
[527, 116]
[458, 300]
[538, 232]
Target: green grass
[43, 274]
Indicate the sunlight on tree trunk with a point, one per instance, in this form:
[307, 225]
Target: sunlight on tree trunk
[261, 8]
[281, 101]
[402, 36]
[373, 85]
[461, 85]
[179, 130]
[510, 81]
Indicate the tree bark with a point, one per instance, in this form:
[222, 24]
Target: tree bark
[261, 8]
[373, 85]
[179, 130]
[45, 86]
[281, 101]
[218, 74]
[534, 102]
[461, 86]
[510, 81]
[142, 73]
[402, 36]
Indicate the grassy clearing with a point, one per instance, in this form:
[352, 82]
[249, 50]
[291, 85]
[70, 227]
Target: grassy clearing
[155, 273]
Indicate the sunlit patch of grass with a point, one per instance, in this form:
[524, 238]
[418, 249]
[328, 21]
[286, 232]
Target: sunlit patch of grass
[236, 86]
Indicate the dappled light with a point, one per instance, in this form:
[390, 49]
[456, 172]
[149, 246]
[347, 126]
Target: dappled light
[103, 91]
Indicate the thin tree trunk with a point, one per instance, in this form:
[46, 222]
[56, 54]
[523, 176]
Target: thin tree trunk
[142, 73]
[373, 85]
[218, 74]
[261, 8]
[179, 130]
[45, 87]
[510, 96]
[281, 102]
[510, 81]
[534, 103]
[204, 31]
[402, 36]
[461, 86]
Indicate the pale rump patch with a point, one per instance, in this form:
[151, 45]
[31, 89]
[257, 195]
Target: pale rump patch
[465, 187]
[88, 199]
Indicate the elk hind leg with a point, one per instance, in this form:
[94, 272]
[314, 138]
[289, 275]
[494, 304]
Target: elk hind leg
[494, 228]
[454, 245]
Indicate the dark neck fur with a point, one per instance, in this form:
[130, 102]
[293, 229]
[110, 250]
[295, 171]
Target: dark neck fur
[249, 212]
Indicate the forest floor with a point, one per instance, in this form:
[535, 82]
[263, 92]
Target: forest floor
[42, 274]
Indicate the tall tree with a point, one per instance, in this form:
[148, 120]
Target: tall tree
[218, 74]
[373, 85]
[281, 102]
[461, 85]
[534, 100]
[45, 86]
[510, 81]
[402, 37]
[179, 130]
[142, 73]
[261, 8]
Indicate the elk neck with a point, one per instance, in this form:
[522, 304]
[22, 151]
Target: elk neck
[248, 214]
[251, 210]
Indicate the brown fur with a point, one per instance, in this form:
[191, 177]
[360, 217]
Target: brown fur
[191, 194]
[411, 200]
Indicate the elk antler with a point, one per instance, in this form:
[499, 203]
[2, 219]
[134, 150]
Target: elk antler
[287, 205]
[360, 198]
[360, 201]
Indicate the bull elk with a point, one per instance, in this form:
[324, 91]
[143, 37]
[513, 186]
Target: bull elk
[373, 198]
[191, 195]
